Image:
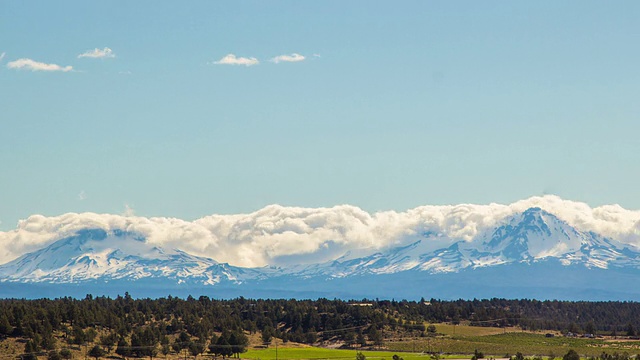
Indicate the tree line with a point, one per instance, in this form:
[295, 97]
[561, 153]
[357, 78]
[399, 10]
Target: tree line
[148, 327]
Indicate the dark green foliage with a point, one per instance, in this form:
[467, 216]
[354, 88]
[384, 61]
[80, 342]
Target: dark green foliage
[571, 355]
[123, 348]
[97, 352]
[149, 323]
[360, 339]
[631, 331]
[78, 336]
[90, 334]
[196, 348]
[144, 343]
[54, 355]
[311, 337]
[360, 356]
[5, 326]
[477, 355]
[238, 342]
[614, 356]
[222, 346]
[518, 356]
[48, 342]
[267, 334]
[165, 349]
[66, 354]
[573, 328]
[181, 342]
[30, 349]
[109, 340]
[375, 336]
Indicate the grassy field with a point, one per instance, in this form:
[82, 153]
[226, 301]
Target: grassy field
[464, 330]
[500, 345]
[321, 353]
[460, 342]
[452, 344]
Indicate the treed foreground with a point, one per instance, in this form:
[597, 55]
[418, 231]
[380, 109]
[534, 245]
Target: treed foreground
[173, 327]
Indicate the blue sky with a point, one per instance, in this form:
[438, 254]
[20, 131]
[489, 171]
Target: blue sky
[395, 105]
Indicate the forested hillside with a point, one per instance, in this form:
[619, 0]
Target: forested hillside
[149, 327]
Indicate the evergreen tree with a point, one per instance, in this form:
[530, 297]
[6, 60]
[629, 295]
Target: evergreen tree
[5, 326]
[165, 349]
[54, 355]
[571, 355]
[97, 352]
[66, 354]
[238, 342]
[30, 351]
[196, 348]
[123, 349]
[631, 331]
[109, 340]
[267, 334]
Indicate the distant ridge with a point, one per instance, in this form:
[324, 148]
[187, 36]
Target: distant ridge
[529, 253]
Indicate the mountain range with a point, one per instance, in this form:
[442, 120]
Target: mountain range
[532, 254]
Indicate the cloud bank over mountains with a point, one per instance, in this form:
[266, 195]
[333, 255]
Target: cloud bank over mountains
[278, 235]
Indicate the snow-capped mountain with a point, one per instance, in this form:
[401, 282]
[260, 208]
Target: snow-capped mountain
[95, 254]
[532, 236]
[529, 251]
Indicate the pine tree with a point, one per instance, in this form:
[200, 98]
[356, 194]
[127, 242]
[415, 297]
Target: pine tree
[97, 352]
[5, 326]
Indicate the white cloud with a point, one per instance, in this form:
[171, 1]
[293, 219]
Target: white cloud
[82, 195]
[288, 58]
[277, 235]
[28, 64]
[231, 59]
[98, 54]
[2, 55]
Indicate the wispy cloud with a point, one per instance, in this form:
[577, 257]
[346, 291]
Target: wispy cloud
[98, 54]
[128, 211]
[2, 55]
[82, 195]
[288, 58]
[231, 59]
[29, 64]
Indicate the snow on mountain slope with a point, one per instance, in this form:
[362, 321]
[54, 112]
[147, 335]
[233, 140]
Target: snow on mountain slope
[536, 234]
[94, 254]
[529, 237]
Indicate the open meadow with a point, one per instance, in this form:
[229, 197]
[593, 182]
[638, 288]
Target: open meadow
[460, 342]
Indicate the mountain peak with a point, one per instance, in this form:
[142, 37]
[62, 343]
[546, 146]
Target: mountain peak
[92, 254]
[532, 234]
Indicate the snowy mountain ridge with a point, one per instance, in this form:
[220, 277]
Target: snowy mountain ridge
[532, 237]
[94, 254]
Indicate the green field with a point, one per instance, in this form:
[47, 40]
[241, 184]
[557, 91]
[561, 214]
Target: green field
[321, 353]
[500, 345]
[493, 342]
[464, 330]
